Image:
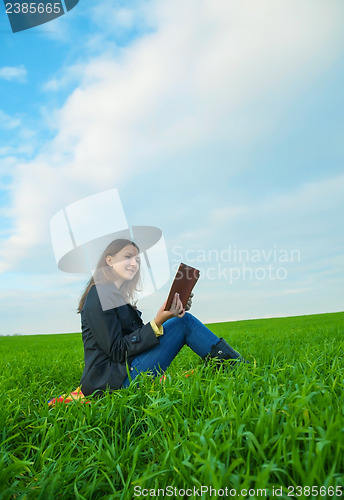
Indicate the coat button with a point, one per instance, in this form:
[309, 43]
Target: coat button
[219, 352]
[131, 368]
[134, 338]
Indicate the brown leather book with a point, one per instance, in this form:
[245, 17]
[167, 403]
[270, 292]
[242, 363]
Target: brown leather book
[184, 281]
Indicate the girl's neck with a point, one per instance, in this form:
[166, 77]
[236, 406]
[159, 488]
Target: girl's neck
[118, 283]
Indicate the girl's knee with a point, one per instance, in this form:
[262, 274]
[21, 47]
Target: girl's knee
[189, 318]
[183, 324]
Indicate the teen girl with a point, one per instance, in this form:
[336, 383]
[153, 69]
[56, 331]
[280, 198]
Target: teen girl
[117, 344]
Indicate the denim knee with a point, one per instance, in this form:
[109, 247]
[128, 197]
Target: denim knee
[183, 323]
[187, 319]
[190, 319]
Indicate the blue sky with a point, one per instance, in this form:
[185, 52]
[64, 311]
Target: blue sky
[220, 122]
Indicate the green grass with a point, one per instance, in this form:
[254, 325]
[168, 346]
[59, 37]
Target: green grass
[276, 422]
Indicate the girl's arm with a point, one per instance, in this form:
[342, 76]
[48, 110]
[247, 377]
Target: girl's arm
[106, 329]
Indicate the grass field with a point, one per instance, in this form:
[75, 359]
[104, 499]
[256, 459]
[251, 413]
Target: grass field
[278, 422]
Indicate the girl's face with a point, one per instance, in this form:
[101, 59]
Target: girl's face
[125, 264]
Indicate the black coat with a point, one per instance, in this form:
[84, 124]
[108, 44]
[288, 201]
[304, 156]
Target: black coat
[113, 334]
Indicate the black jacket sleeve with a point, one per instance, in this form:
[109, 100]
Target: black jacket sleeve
[119, 332]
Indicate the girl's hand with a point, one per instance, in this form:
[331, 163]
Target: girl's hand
[176, 310]
[189, 303]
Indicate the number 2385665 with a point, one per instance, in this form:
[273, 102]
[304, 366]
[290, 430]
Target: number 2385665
[33, 8]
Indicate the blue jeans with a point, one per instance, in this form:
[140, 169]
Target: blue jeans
[177, 332]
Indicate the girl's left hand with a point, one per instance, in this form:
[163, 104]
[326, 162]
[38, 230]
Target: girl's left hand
[189, 302]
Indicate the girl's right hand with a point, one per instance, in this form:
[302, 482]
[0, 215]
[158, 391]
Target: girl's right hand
[176, 310]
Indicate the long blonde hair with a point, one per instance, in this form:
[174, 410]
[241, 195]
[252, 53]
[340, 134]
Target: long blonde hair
[104, 274]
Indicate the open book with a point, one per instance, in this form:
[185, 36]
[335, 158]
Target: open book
[184, 281]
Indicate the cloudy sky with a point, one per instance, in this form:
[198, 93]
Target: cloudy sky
[219, 121]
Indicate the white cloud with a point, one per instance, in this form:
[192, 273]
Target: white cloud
[8, 122]
[66, 76]
[312, 198]
[14, 73]
[113, 18]
[304, 219]
[188, 83]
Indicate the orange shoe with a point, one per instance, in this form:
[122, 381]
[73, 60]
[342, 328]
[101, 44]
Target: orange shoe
[76, 395]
